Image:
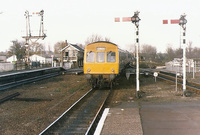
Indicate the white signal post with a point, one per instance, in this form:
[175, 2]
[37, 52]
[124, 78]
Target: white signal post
[134, 19]
[182, 22]
[29, 36]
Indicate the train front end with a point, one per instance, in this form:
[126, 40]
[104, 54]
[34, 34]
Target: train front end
[101, 63]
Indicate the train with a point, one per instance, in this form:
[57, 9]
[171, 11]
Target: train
[103, 61]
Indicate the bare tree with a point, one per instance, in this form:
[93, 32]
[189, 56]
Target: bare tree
[18, 49]
[170, 53]
[36, 48]
[95, 38]
[58, 46]
[189, 49]
[149, 52]
[131, 48]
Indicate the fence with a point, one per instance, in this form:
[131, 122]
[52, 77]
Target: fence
[189, 68]
[4, 67]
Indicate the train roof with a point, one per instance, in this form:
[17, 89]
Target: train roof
[120, 50]
[102, 42]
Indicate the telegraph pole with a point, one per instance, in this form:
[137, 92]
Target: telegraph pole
[135, 20]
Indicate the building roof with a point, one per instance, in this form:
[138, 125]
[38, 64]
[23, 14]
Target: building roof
[75, 46]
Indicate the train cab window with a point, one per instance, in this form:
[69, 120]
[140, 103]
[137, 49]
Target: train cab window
[100, 56]
[90, 56]
[110, 56]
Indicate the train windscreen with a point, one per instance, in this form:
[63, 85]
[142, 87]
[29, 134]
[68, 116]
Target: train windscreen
[90, 57]
[110, 56]
[100, 57]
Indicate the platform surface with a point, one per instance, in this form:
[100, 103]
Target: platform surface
[123, 120]
[181, 118]
[176, 118]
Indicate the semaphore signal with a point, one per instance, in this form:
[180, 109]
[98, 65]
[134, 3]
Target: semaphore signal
[182, 22]
[135, 20]
[29, 36]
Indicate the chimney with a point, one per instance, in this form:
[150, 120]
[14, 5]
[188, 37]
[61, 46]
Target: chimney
[66, 42]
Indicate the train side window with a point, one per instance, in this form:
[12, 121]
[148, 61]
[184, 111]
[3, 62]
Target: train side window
[110, 56]
[100, 56]
[90, 56]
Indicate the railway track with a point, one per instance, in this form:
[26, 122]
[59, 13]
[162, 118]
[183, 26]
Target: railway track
[172, 78]
[82, 117]
[16, 79]
[25, 81]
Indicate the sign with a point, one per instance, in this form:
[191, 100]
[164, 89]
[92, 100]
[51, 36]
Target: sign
[155, 74]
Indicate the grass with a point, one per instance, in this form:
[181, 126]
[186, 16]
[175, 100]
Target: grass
[57, 90]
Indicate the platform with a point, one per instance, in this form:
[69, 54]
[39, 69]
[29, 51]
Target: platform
[123, 120]
[131, 118]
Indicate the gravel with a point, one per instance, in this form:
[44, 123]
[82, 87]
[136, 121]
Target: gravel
[40, 103]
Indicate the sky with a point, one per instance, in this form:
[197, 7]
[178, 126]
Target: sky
[76, 20]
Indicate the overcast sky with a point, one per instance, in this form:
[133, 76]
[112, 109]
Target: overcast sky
[75, 20]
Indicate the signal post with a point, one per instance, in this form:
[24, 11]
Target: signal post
[29, 36]
[182, 22]
[135, 20]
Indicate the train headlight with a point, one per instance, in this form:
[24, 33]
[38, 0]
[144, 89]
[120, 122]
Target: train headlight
[112, 76]
[88, 70]
[112, 70]
[88, 76]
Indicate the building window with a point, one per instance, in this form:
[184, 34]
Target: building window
[74, 53]
[66, 54]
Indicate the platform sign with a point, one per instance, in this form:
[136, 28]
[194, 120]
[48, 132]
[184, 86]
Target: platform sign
[155, 74]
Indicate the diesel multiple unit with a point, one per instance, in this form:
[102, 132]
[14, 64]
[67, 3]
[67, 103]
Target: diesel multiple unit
[103, 62]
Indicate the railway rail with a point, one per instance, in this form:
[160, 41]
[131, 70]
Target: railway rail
[172, 77]
[25, 81]
[9, 97]
[10, 80]
[82, 117]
